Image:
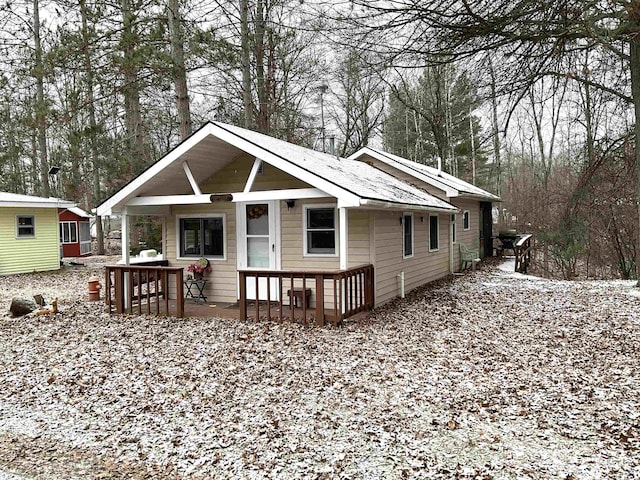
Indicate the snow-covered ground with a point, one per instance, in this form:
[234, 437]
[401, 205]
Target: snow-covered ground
[488, 375]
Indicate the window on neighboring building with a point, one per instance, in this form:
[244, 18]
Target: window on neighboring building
[453, 228]
[25, 226]
[68, 232]
[407, 224]
[320, 230]
[202, 237]
[466, 220]
[434, 232]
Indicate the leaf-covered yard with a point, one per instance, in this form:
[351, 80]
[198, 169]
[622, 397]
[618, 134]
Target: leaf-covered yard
[488, 375]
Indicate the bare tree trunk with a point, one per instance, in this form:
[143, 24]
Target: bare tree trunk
[246, 64]
[494, 130]
[133, 117]
[634, 46]
[259, 52]
[40, 107]
[95, 156]
[179, 70]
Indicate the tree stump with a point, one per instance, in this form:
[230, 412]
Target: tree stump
[21, 306]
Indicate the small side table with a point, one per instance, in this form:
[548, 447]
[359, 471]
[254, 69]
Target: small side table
[198, 294]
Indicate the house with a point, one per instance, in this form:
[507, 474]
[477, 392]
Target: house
[75, 232]
[284, 223]
[29, 233]
[472, 226]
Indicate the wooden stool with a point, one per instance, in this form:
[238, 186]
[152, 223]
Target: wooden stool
[297, 294]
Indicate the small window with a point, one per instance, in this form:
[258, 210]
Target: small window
[320, 234]
[25, 226]
[434, 233]
[453, 228]
[68, 232]
[407, 224]
[202, 237]
[466, 220]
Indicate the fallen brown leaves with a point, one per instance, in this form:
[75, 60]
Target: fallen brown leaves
[490, 375]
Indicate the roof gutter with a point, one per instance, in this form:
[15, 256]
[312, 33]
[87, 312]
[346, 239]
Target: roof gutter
[380, 204]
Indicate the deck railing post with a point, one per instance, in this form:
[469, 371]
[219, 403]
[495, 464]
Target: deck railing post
[180, 293]
[320, 299]
[243, 295]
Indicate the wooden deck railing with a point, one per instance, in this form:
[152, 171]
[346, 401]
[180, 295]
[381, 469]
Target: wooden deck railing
[522, 250]
[338, 294]
[139, 289]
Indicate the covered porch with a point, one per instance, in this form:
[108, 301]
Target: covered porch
[305, 296]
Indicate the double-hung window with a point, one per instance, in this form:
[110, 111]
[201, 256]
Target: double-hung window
[202, 237]
[407, 235]
[25, 226]
[434, 232]
[320, 230]
[68, 232]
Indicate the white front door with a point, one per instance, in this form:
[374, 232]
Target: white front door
[258, 244]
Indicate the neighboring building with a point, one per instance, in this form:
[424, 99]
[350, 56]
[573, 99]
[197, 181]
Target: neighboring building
[29, 233]
[252, 203]
[473, 224]
[75, 232]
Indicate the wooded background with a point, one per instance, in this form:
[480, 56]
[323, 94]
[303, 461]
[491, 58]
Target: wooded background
[534, 101]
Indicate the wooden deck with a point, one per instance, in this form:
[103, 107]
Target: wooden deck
[308, 297]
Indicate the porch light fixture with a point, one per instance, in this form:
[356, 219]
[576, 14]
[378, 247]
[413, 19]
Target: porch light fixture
[400, 220]
[290, 204]
[421, 219]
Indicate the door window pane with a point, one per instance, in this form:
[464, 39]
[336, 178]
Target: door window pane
[258, 219]
[258, 252]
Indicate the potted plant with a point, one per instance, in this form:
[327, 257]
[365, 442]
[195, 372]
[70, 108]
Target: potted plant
[199, 268]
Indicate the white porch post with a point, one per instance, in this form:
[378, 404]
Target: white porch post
[126, 241]
[344, 236]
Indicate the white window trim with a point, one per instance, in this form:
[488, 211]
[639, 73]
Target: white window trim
[454, 234]
[69, 222]
[438, 237]
[225, 234]
[466, 213]
[413, 243]
[336, 224]
[21, 237]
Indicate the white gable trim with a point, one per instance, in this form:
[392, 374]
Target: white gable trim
[284, 165]
[129, 191]
[449, 192]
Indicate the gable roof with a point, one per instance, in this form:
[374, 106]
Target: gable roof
[353, 183]
[18, 200]
[453, 186]
[79, 212]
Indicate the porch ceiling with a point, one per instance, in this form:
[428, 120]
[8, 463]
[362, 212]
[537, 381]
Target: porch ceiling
[204, 159]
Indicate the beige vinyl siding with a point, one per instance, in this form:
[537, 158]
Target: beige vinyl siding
[422, 267]
[40, 253]
[222, 280]
[233, 178]
[222, 285]
[471, 237]
[292, 238]
[293, 258]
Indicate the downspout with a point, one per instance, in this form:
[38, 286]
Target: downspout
[401, 278]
